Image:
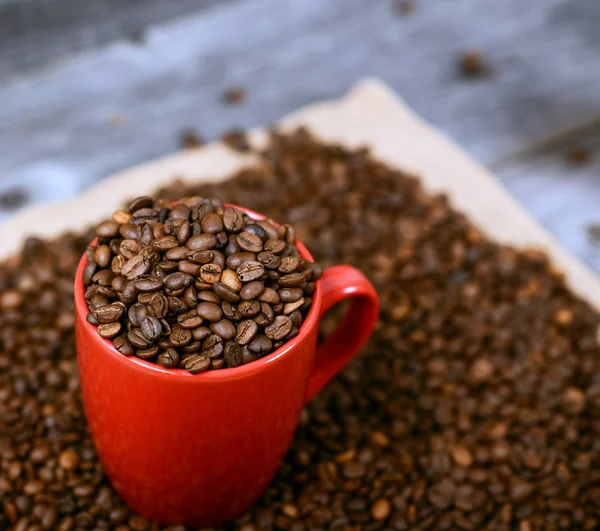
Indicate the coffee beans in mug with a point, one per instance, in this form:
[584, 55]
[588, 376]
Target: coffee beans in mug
[196, 278]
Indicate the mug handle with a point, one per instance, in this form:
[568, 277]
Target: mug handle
[339, 283]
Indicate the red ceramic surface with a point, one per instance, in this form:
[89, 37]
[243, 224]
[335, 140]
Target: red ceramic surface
[201, 449]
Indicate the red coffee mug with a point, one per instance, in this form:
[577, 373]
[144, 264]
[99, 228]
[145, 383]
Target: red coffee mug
[201, 449]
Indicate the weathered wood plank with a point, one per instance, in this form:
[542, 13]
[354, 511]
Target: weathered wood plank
[56, 136]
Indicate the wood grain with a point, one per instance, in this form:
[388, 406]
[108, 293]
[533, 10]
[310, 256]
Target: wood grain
[59, 129]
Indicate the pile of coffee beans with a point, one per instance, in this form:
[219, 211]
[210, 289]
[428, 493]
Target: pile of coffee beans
[195, 284]
[475, 405]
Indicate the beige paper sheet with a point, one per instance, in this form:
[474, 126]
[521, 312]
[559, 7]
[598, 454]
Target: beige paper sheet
[370, 114]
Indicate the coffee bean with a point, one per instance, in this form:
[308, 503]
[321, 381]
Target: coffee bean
[177, 306]
[109, 313]
[233, 220]
[189, 267]
[257, 230]
[225, 292]
[197, 364]
[140, 202]
[266, 315]
[249, 242]
[234, 261]
[135, 267]
[296, 318]
[137, 313]
[293, 306]
[179, 336]
[151, 328]
[209, 311]
[249, 308]
[246, 331]
[211, 223]
[260, 345]
[180, 211]
[88, 273]
[290, 294]
[102, 256]
[275, 246]
[224, 328]
[177, 281]
[279, 328]
[169, 358]
[109, 330]
[200, 257]
[249, 271]
[147, 354]
[292, 280]
[123, 345]
[230, 311]
[212, 346]
[177, 253]
[144, 216]
[252, 290]
[202, 242]
[210, 273]
[189, 319]
[147, 284]
[289, 264]
[233, 354]
[137, 339]
[158, 305]
[201, 332]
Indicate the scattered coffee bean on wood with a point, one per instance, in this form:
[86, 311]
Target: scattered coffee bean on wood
[172, 294]
[416, 433]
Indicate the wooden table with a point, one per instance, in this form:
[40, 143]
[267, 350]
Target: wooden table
[88, 88]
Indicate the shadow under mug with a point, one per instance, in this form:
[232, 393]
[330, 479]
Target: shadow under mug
[201, 449]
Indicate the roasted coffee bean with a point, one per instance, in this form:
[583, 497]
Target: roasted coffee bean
[109, 330]
[180, 211]
[158, 305]
[104, 277]
[177, 305]
[224, 328]
[140, 202]
[116, 264]
[225, 292]
[251, 270]
[200, 257]
[137, 339]
[209, 311]
[177, 281]
[249, 308]
[91, 319]
[192, 347]
[212, 346]
[233, 220]
[279, 328]
[208, 296]
[202, 242]
[275, 246]
[179, 336]
[236, 260]
[129, 248]
[177, 253]
[260, 345]
[252, 290]
[211, 223]
[135, 267]
[210, 273]
[292, 280]
[123, 345]
[189, 267]
[102, 256]
[129, 231]
[144, 298]
[270, 296]
[129, 293]
[144, 216]
[266, 315]
[118, 283]
[293, 306]
[233, 354]
[147, 354]
[249, 242]
[230, 311]
[232, 246]
[289, 264]
[107, 229]
[269, 260]
[183, 232]
[290, 294]
[169, 358]
[151, 328]
[146, 284]
[296, 318]
[189, 297]
[231, 280]
[164, 243]
[257, 230]
[246, 331]
[88, 273]
[189, 320]
[137, 313]
[202, 332]
[197, 364]
[109, 313]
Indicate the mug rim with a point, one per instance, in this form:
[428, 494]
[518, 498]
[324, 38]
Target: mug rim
[148, 367]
